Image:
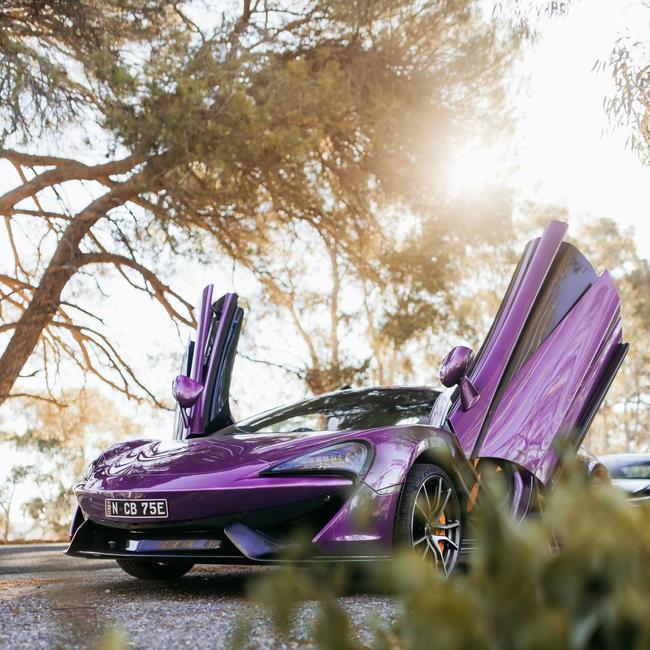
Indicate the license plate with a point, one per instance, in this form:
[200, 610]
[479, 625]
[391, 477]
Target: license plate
[142, 508]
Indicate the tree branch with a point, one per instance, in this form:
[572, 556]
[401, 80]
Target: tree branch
[67, 170]
[159, 289]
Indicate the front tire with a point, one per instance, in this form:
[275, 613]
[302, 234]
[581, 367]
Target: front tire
[155, 570]
[429, 519]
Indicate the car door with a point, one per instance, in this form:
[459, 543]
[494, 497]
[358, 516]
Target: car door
[212, 359]
[545, 366]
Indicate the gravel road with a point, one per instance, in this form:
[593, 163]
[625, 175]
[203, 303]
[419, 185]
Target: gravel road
[49, 600]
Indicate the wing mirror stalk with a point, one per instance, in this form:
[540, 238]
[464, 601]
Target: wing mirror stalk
[186, 391]
[453, 372]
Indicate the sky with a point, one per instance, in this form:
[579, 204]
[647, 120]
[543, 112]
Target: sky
[567, 155]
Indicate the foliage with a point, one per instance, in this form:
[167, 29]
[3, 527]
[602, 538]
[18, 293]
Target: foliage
[17, 475]
[61, 441]
[222, 140]
[591, 592]
[629, 64]
[40, 43]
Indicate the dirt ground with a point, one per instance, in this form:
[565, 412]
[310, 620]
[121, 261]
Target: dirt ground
[49, 600]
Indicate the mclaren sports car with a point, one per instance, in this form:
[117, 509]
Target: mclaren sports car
[358, 473]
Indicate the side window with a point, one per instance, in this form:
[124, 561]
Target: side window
[568, 278]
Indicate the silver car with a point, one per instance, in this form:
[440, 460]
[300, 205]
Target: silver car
[631, 473]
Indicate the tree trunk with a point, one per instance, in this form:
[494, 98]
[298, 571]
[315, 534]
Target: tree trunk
[5, 532]
[47, 296]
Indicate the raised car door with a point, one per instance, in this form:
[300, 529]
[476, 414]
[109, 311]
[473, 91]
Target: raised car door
[212, 363]
[545, 366]
[180, 429]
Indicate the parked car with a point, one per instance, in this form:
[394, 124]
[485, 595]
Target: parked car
[631, 473]
[360, 472]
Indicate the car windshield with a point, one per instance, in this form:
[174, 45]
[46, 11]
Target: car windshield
[632, 470]
[345, 411]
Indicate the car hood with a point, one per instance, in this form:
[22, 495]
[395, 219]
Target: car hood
[242, 453]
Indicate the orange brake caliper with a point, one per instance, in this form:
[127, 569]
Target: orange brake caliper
[443, 521]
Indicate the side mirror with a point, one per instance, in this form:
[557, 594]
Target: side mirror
[186, 391]
[454, 365]
[453, 372]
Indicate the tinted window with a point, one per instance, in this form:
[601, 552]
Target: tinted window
[568, 278]
[633, 470]
[344, 411]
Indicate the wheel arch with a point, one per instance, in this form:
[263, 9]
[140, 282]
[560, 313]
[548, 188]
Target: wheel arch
[443, 450]
[440, 447]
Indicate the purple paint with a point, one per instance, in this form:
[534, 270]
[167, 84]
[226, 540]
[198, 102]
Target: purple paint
[186, 391]
[468, 394]
[454, 365]
[228, 310]
[542, 367]
[202, 334]
[535, 404]
[491, 363]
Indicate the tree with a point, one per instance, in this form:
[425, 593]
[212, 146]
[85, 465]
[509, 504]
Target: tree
[278, 117]
[62, 440]
[629, 64]
[396, 308]
[17, 475]
[42, 40]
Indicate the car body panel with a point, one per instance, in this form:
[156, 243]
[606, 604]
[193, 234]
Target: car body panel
[362, 527]
[211, 363]
[534, 408]
[546, 357]
[224, 475]
[492, 360]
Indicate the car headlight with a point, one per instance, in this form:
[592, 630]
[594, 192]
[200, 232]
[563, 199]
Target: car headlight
[349, 457]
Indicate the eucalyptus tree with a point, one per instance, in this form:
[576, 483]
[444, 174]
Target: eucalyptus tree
[629, 65]
[220, 128]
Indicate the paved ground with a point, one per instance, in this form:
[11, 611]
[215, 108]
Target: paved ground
[48, 600]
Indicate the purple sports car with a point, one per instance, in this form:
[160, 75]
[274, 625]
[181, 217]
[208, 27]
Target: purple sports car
[359, 472]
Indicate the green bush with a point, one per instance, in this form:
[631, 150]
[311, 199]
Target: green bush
[576, 577]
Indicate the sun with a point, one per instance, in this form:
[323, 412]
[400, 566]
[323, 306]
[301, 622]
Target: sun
[473, 168]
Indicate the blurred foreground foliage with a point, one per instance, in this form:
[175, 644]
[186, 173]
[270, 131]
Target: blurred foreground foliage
[578, 577]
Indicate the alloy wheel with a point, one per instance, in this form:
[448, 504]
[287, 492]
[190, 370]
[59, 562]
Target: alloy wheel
[435, 523]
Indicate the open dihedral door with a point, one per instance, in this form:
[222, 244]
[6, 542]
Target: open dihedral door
[547, 362]
[208, 362]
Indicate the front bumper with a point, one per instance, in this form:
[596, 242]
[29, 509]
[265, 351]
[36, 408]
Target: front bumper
[188, 500]
[347, 523]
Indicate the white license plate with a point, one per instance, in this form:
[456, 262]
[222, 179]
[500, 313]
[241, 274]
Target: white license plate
[141, 508]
